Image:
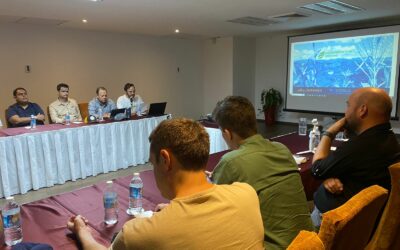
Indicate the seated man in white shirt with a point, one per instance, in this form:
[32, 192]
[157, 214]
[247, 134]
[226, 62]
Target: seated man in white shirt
[130, 99]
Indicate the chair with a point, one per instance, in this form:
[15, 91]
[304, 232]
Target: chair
[350, 226]
[84, 109]
[6, 122]
[48, 115]
[387, 235]
[306, 240]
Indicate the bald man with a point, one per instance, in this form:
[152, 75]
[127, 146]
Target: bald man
[363, 160]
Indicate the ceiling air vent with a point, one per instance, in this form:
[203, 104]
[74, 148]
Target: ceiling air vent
[331, 7]
[288, 16]
[40, 21]
[254, 21]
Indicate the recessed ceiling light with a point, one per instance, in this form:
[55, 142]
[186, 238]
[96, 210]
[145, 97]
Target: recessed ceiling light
[84, 21]
[177, 31]
[96, 0]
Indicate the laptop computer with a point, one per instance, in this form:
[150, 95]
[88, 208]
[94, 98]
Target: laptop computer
[117, 114]
[157, 109]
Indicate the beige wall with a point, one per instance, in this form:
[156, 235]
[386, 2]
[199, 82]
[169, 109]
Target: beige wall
[218, 71]
[86, 60]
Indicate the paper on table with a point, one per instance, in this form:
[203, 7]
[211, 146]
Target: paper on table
[77, 122]
[299, 159]
[144, 214]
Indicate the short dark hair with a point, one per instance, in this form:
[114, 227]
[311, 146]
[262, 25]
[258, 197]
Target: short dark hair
[62, 85]
[19, 88]
[100, 88]
[187, 139]
[128, 86]
[236, 113]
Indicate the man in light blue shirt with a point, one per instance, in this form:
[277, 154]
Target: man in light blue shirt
[101, 105]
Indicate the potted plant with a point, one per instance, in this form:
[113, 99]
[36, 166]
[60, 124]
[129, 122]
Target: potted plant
[270, 100]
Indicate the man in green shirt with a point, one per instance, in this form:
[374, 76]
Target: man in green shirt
[267, 166]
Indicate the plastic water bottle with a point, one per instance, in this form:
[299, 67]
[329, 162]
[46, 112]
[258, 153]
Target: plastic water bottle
[110, 200]
[67, 119]
[100, 115]
[12, 222]
[135, 195]
[139, 112]
[33, 122]
[315, 136]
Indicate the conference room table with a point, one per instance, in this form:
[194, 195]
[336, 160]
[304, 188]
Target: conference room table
[55, 153]
[45, 220]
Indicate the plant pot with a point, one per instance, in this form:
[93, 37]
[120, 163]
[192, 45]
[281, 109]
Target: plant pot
[269, 115]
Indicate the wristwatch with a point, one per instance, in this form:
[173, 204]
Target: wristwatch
[329, 134]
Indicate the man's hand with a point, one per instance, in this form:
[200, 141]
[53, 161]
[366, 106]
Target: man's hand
[77, 223]
[337, 126]
[40, 117]
[161, 206]
[106, 115]
[333, 185]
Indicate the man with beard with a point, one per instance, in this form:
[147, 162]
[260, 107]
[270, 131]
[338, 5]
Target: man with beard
[19, 114]
[363, 160]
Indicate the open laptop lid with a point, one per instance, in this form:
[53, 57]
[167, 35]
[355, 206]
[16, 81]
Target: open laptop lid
[115, 112]
[157, 109]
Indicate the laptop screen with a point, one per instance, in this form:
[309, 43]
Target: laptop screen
[157, 109]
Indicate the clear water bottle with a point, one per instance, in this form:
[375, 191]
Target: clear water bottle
[110, 200]
[12, 222]
[138, 110]
[33, 122]
[100, 115]
[135, 195]
[315, 136]
[67, 119]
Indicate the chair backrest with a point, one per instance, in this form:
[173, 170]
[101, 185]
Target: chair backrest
[84, 109]
[48, 115]
[6, 122]
[350, 225]
[306, 240]
[387, 235]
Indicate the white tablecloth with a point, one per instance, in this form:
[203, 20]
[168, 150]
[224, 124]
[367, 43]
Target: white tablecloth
[36, 160]
[217, 142]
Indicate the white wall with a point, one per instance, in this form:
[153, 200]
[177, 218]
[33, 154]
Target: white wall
[86, 60]
[218, 71]
[244, 52]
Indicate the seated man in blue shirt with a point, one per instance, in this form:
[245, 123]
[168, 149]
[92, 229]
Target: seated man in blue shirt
[19, 114]
[101, 105]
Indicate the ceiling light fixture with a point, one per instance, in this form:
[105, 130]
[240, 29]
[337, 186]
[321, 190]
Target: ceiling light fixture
[84, 21]
[177, 31]
[96, 0]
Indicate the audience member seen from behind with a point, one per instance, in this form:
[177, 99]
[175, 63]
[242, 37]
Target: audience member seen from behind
[201, 215]
[267, 166]
[130, 99]
[363, 160]
[101, 105]
[63, 106]
[19, 114]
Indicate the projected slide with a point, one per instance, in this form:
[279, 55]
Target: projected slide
[340, 65]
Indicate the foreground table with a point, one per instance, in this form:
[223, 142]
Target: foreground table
[45, 220]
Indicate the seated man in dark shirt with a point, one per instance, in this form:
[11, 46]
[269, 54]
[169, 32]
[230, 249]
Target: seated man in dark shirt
[19, 114]
[363, 160]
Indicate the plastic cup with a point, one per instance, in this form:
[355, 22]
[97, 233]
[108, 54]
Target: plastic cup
[303, 126]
